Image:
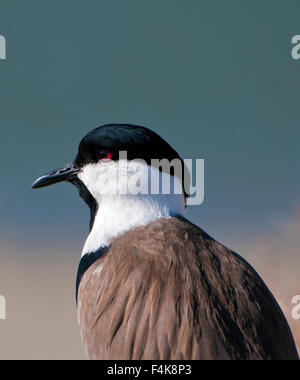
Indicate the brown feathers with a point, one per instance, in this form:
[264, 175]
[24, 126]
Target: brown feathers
[169, 291]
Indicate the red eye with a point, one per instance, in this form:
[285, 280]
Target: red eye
[106, 155]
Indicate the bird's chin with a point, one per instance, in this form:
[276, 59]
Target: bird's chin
[86, 196]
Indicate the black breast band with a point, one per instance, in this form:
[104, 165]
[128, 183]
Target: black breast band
[86, 261]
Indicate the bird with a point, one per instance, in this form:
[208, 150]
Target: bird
[151, 285]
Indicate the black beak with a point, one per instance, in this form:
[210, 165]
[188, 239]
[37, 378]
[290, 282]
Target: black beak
[67, 173]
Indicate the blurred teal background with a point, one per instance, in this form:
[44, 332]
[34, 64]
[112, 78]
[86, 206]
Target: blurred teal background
[214, 78]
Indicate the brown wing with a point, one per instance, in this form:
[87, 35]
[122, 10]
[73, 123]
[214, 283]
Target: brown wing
[169, 291]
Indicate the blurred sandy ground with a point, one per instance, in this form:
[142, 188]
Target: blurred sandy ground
[277, 259]
[41, 314]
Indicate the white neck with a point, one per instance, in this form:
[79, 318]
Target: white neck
[119, 213]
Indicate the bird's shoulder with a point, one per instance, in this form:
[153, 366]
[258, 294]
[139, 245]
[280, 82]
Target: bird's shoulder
[177, 241]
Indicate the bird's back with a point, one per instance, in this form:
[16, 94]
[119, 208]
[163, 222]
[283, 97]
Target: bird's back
[170, 291]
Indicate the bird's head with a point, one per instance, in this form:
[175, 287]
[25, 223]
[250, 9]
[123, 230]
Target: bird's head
[114, 159]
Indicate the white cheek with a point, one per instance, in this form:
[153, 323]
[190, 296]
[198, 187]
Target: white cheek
[97, 178]
[120, 178]
[108, 178]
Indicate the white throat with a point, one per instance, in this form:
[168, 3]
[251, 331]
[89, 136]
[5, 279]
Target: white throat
[118, 212]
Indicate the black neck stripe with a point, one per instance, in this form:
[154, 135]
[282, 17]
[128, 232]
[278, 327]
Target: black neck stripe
[86, 262]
